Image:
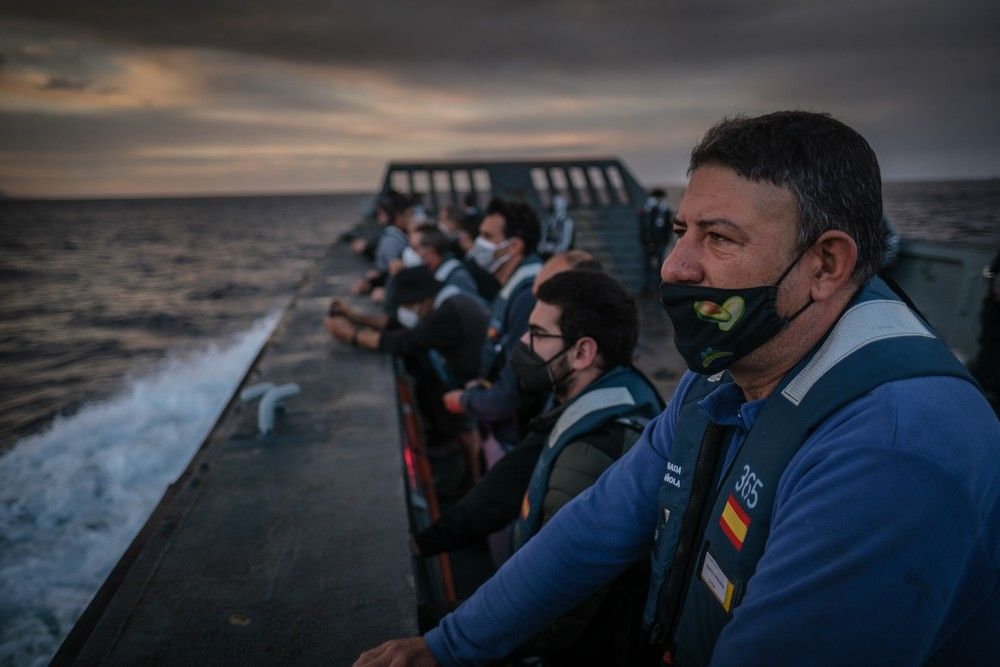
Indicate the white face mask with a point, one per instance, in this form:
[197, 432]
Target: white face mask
[407, 317]
[483, 253]
[502, 259]
[410, 258]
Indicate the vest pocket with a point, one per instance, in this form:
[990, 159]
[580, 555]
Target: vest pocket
[670, 516]
[705, 608]
[717, 578]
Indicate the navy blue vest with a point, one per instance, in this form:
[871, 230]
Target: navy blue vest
[492, 357]
[620, 393]
[453, 272]
[699, 574]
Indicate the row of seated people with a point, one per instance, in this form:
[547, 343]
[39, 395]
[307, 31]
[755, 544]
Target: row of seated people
[397, 216]
[824, 488]
[543, 374]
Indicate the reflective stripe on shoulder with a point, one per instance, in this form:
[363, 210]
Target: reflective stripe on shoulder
[446, 269]
[524, 272]
[444, 294]
[862, 325]
[589, 402]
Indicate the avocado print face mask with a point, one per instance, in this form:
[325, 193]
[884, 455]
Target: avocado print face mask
[714, 327]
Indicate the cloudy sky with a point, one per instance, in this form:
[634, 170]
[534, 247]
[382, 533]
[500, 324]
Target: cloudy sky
[109, 97]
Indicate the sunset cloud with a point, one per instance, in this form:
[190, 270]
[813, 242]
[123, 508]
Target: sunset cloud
[104, 98]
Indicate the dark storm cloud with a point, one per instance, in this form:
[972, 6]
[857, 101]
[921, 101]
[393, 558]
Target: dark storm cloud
[919, 78]
[808, 52]
[580, 36]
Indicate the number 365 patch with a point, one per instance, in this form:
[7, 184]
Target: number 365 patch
[747, 487]
[735, 521]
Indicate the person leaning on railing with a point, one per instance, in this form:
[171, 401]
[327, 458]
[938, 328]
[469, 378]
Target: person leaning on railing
[822, 488]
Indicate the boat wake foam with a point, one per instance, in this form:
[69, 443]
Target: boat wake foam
[73, 496]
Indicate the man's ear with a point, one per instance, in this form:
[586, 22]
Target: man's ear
[517, 245]
[585, 353]
[832, 259]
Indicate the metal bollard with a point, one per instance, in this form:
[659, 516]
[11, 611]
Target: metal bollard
[271, 397]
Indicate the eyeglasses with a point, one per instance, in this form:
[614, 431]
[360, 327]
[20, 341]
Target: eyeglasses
[532, 335]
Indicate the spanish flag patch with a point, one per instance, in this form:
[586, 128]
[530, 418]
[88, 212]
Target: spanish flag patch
[734, 522]
[525, 507]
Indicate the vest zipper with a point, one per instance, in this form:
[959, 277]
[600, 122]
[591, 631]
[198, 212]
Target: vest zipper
[672, 598]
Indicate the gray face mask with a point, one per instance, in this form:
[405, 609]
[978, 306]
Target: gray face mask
[483, 253]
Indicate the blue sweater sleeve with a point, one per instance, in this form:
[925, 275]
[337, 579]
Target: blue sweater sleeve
[883, 541]
[496, 403]
[586, 544]
[500, 401]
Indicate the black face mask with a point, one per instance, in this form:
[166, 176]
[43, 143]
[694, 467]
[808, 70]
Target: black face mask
[715, 327]
[534, 374]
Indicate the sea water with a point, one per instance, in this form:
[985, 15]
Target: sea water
[74, 495]
[125, 326]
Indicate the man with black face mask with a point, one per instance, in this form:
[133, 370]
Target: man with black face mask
[496, 504]
[579, 344]
[822, 488]
[568, 318]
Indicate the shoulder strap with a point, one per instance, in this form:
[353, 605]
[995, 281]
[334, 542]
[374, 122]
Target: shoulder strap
[444, 294]
[446, 269]
[622, 396]
[876, 341]
[632, 431]
[685, 552]
[521, 278]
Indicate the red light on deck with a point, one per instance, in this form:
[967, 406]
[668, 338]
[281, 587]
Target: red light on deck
[410, 470]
